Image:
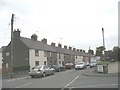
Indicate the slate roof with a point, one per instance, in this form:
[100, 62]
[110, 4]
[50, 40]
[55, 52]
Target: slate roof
[39, 45]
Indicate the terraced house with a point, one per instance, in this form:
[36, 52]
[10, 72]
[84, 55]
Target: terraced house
[28, 53]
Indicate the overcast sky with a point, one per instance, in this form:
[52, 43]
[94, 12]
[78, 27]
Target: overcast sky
[75, 23]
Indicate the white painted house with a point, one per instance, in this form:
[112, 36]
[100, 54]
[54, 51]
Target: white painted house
[37, 57]
[78, 58]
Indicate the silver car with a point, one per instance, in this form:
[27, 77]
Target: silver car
[80, 65]
[41, 70]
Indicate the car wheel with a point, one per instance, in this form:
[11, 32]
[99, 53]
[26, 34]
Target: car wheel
[53, 73]
[44, 74]
[32, 76]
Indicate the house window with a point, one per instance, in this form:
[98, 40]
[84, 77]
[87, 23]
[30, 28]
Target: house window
[36, 63]
[59, 55]
[64, 55]
[50, 54]
[36, 53]
[44, 62]
[7, 53]
[45, 54]
[51, 63]
[59, 62]
[76, 57]
[54, 62]
[63, 62]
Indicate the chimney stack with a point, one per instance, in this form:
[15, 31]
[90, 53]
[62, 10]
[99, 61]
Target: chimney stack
[74, 49]
[53, 44]
[44, 41]
[59, 45]
[16, 33]
[70, 48]
[65, 46]
[34, 37]
[80, 50]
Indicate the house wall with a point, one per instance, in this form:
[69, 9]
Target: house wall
[78, 59]
[6, 60]
[20, 55]
[61, 59]
[114, 67]
[67, 58]
[51, 58]
[86, 59]
[32, 58]
[0, 60]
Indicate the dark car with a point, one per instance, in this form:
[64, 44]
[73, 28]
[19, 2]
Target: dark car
[58, 68]
[69, 65]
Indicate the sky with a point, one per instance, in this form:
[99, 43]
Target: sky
[75, 23]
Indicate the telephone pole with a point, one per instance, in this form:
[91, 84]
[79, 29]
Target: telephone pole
[11, 62]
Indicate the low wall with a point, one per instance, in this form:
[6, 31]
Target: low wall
[113, 67]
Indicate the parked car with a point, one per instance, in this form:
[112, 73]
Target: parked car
[41, 70]
[87, 63]
[92, 64]
[59, 68]
[69, 65]
[80, 65]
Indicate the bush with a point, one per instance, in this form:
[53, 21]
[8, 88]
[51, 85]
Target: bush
[103, 63]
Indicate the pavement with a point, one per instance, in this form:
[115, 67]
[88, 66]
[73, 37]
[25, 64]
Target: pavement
[93, 72]
[17, 75]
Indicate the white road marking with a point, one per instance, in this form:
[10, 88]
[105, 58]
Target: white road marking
[71, 81]
[91, 86]
[23, 85]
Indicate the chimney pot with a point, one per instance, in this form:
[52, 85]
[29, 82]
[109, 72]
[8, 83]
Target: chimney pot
[53, 44]
[44, 41]
[65, 46]
[59, 45]
[34, 37]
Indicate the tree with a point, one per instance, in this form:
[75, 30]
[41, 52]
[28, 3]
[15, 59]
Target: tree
[99, 51]
[116, 53]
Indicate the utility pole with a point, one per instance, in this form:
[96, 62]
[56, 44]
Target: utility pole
[103, 43]
[11, 62]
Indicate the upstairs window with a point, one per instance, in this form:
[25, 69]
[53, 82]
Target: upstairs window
[45, 54]
[76, 57]
[50, 54]
[36, 53]
[59, 55]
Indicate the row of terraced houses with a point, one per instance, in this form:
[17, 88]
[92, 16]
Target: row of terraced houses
[29, 52]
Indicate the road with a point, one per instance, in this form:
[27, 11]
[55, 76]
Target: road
[66, 79]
